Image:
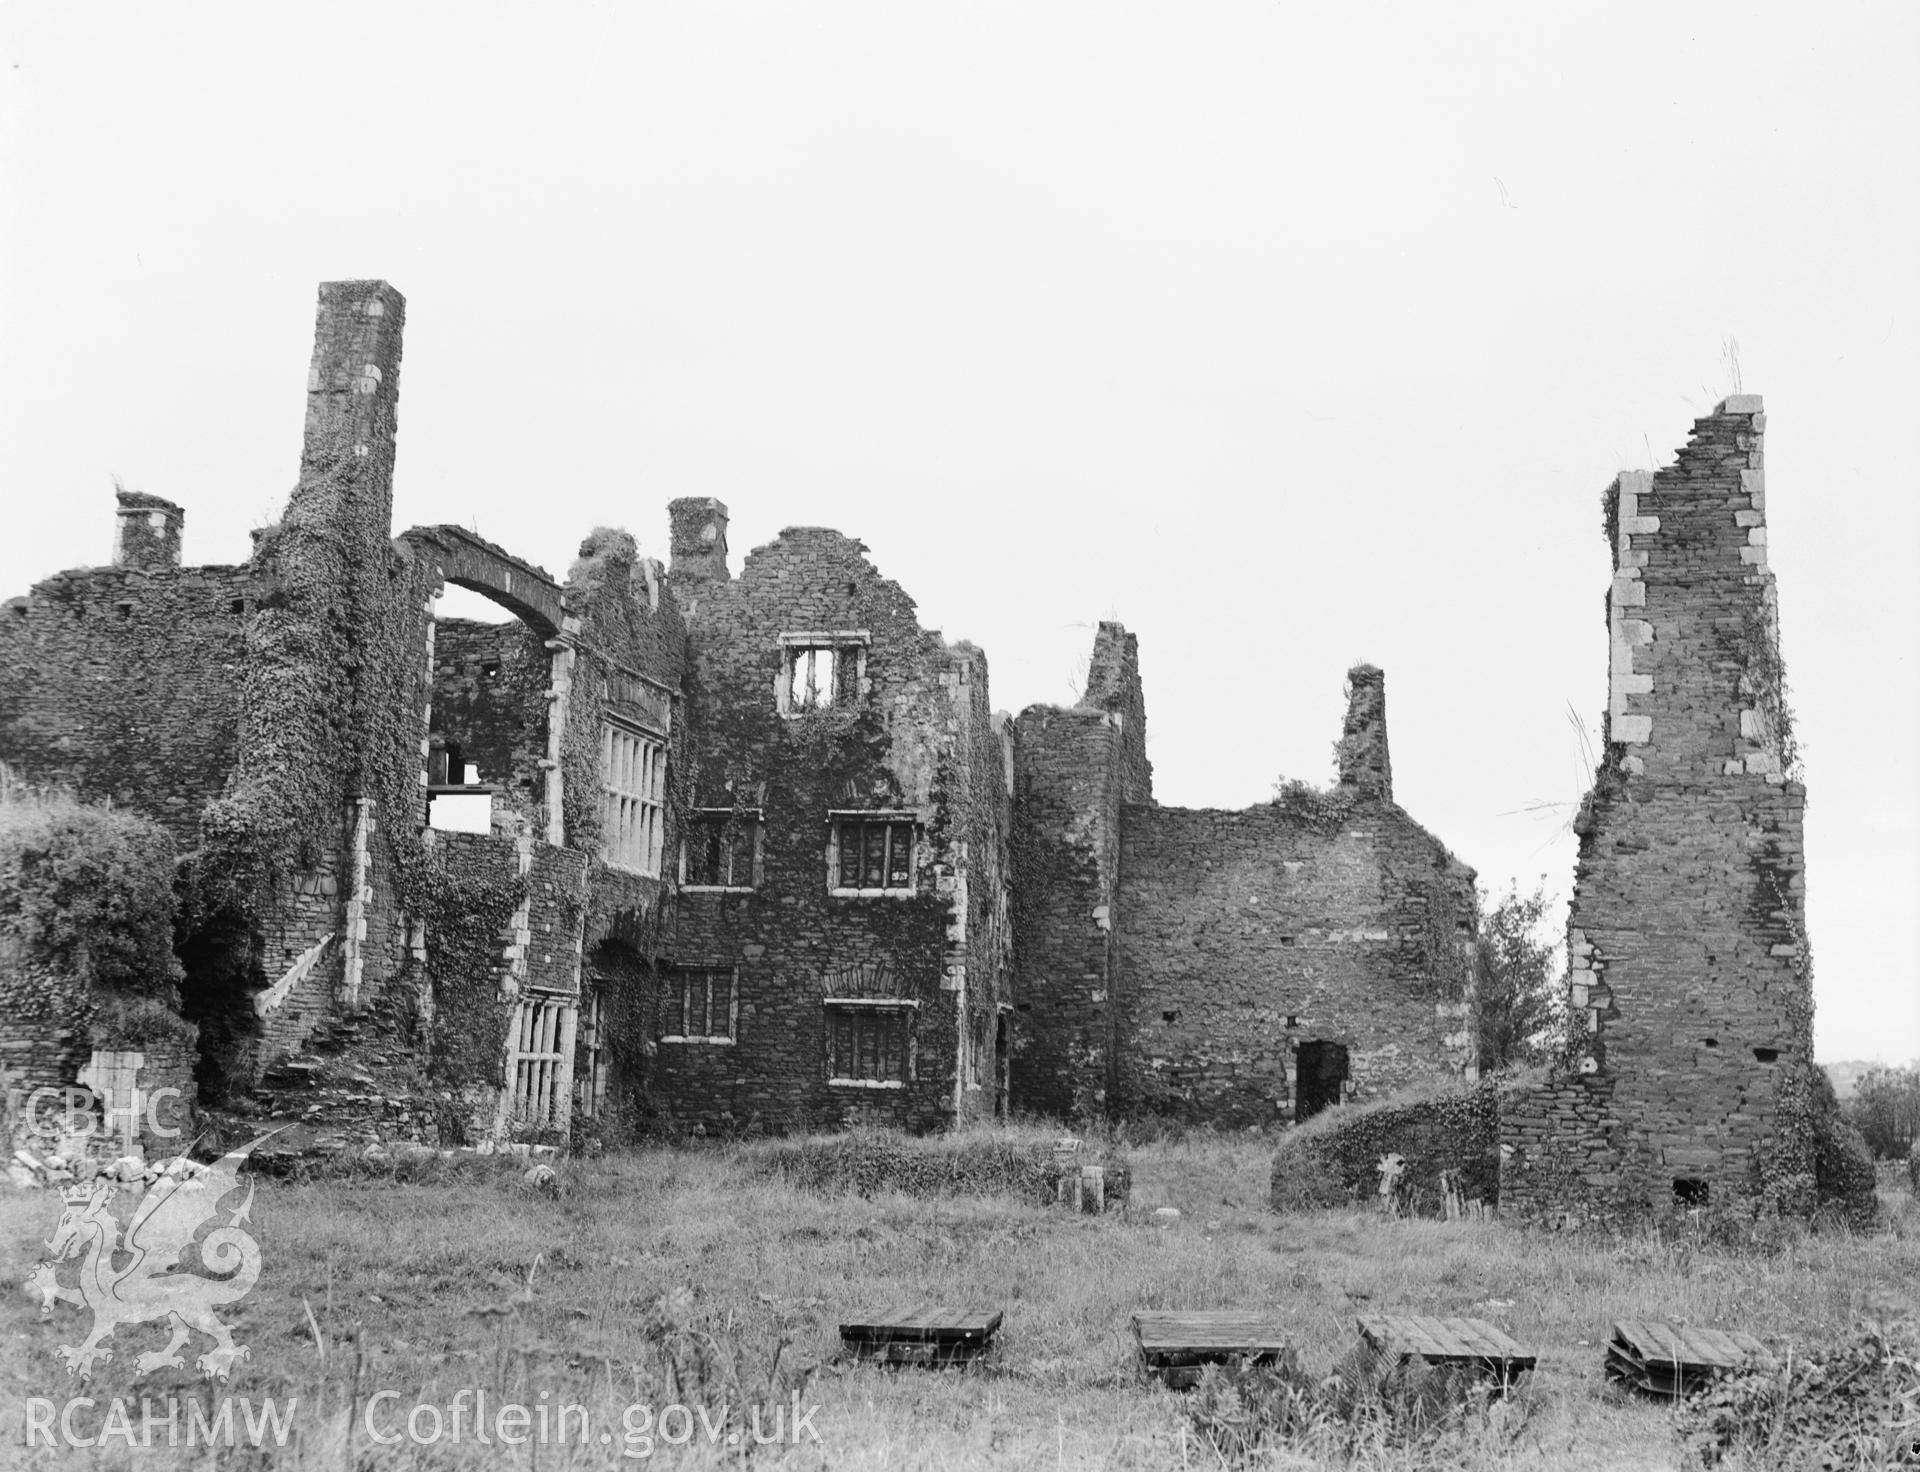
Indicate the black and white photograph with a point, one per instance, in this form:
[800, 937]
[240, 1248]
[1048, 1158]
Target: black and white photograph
[899, 735]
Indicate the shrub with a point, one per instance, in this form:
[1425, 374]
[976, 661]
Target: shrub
[1335, 1157]
[1885, 1108]
[88, 891]
[1851, 1404]
[87, 914]
[1844, 1178]
[137, 1022]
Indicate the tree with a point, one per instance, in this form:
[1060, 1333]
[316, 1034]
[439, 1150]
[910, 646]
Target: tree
[1885, 1108]
[1517, 977]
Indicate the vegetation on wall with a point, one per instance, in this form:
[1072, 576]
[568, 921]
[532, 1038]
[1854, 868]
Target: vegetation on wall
[296, 699]
[1763, 679]
[1317, 809]
[466, 894]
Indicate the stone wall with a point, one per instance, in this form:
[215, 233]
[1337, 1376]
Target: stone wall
[282, 720]
[1172, 961]
[123, 683]
[1074, 768]
[1318, 918]
[490, 711]
[1690, 990]
[906, 734]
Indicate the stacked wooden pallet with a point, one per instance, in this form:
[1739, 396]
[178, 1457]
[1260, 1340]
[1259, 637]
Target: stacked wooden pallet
[1177, 1346]
[923, 1334]
[1669, 1360]
[1472, 1343]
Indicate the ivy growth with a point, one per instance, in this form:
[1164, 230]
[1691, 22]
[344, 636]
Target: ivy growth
[1317, 809]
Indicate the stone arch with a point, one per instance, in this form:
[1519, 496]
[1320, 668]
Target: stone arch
[470, 562]
[490, 728]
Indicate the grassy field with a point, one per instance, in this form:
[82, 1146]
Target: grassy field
[686, 1277]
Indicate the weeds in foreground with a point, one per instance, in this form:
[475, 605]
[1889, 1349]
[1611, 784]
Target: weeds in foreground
[1852, 1404]
[1367, 1405]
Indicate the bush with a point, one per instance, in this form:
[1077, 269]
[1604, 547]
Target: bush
[1335, 1157]
[88, 892]
[1852, 1404]
[1885, 1108]
[138, 1022]
[1845, 1181]
[87, 912]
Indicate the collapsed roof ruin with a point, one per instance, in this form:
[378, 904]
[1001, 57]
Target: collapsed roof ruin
[675, 847]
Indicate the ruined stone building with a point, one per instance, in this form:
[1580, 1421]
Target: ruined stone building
[1690, 1071]
[1234, 967]
[675, 846]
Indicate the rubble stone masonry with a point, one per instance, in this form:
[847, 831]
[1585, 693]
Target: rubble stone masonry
[1026, 929]
[1690, 987]
[1172, 961]
[905, 734]
[1074, 768]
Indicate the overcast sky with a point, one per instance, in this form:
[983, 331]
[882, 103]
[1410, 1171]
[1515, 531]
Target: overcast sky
[1290, 336]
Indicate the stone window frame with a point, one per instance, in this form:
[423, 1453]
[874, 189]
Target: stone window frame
[754, 819]
[682, 979]
[633, 797]
[877, 1017]
[910, 818]
[797, 648]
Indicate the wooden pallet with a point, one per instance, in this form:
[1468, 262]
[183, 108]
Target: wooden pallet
[1672, 1361]
[1177, 1346]
[925, 1334]
[1474, 1343]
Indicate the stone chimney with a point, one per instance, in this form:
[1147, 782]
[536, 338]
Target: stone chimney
[699, 544]
[146, 533]
[1113, 686]
[1364, 763]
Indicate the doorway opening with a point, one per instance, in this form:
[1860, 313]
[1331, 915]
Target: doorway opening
[1319, 1078]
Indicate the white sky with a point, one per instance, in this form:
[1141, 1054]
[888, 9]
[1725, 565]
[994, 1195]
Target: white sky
[1289, 336]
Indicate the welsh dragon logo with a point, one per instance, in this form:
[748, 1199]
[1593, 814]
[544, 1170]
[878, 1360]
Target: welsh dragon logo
[136, 1276]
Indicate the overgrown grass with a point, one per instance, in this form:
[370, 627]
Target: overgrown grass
[694, 1276]
[1019, 1163]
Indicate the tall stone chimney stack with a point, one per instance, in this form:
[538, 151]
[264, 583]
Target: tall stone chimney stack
[1364, 763]
[699, 546]
[146, 531]
[353, 398]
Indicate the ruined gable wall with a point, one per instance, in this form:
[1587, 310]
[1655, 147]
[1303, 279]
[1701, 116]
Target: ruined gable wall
[1689, 989]
[1244, 934]
[1074, 768]
[1066, 844]
[904, 746]
[123, 683]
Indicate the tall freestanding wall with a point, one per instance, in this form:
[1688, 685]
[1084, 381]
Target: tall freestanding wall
[1688, 1070]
